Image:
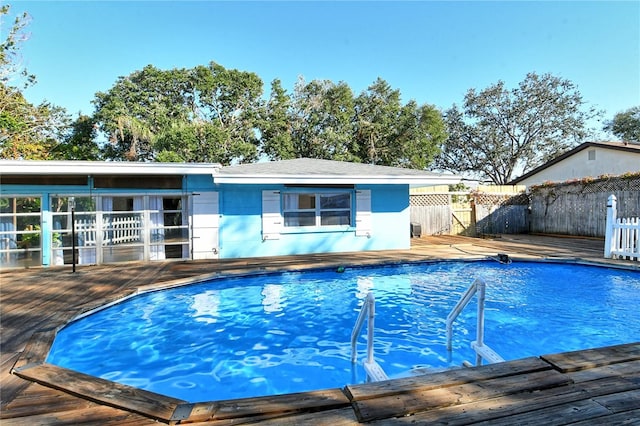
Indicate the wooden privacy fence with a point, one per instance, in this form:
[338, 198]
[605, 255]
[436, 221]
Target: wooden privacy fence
[567, 208]
[622, 238]
[487, 210]
[579, 208]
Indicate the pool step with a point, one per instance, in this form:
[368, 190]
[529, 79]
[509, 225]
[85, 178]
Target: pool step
[486, 352]
[374, 371]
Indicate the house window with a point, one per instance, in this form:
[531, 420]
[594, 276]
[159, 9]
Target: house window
[592, 154]
[317, 209]
[20, 231]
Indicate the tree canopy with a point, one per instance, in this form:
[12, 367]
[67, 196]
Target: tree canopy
[213, 114]
[323, 119]
[499, 133]
[204, 114]
[27, 131]
[626, 125]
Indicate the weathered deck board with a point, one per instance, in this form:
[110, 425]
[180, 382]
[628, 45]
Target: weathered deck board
[621, 402]
[508, 406]
[103, 416]
[276, 405]
[445, 378]
[40, 300]
[415, 401]
[40, 400]
[334, 417]
[556, 415]
[630, 418]
[151, 404]
[580, 360]
[624, 369]
[37, 348]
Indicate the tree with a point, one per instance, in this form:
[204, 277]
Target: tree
[137, 108]
[27, 131]
[626, 125]
[322, 120]
[500, 133]
[276, 128]
[10, 60]
[79, 143]
[389, 133]
[204, 114]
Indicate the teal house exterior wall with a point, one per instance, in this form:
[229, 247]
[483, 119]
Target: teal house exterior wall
[102, 212]
[241, 228]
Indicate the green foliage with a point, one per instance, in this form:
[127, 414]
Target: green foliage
[206, 114]
[79, 143]
[27, 131]
[392, 134]
[276, 128]
[501, 132]
[324, 120]
[626, 125]
[10, 60]
[321, 120]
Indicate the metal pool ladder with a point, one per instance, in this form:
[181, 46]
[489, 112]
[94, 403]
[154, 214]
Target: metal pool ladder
[482, 351]
[368, 311]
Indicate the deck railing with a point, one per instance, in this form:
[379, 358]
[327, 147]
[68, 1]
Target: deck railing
[116, 230]
[622, 238]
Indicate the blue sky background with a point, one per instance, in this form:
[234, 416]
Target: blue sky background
[433, 52]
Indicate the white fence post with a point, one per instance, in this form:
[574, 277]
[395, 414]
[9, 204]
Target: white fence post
[612, 214]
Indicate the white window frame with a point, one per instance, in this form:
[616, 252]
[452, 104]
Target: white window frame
[317, 210]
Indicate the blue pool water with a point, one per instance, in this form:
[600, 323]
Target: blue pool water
[281, 333]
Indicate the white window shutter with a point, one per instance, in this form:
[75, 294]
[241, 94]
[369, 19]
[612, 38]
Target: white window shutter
[364, 223]
[271, 216]
[205, 222]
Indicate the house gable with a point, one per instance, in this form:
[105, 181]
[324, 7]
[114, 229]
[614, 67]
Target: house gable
[590, 159]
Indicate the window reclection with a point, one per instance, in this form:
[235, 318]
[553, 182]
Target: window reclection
[317, 209]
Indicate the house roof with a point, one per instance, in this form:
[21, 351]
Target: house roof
[316, 171]
[94, 168]
[297, 171]
[621, 146]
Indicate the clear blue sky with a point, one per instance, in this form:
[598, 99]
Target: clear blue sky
[433, 52]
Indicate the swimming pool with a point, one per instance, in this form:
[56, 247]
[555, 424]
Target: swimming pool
[290, 332]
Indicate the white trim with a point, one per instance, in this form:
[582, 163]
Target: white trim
[94, 168]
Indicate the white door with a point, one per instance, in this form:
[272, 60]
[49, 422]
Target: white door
[204, 225]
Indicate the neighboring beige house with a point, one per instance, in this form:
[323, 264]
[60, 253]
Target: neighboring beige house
[590, 159]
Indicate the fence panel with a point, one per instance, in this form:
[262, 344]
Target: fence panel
[504, 210]
[626, 238]
[580, 208]
[432, 212]
[501, 213]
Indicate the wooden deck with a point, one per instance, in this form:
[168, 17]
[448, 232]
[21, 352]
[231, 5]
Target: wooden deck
[598, 386]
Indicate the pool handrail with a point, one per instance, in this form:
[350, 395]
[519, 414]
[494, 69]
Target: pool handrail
[482, 351]
[368, 312]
